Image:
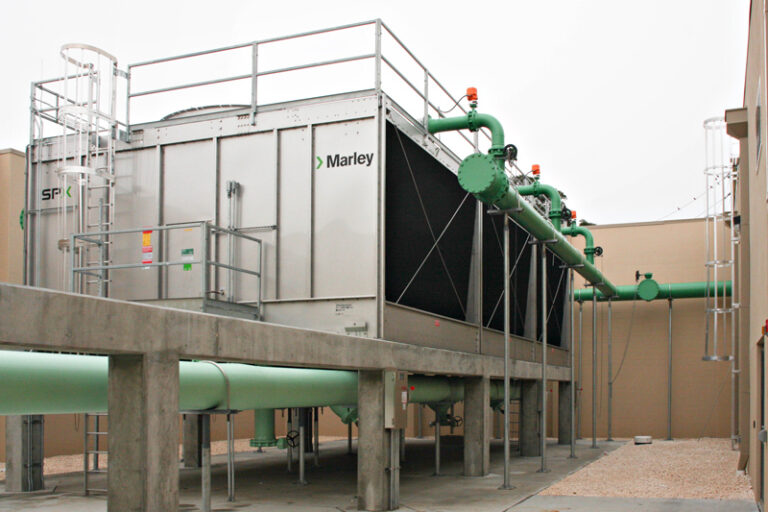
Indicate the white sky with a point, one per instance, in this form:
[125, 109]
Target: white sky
[608, 96]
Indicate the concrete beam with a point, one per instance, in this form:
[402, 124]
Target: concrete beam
[24, 453]
[373, 444]
[564, 431]
[192, 440]
[530, 417]
[143, 396]
[51, 320]
[477, 426]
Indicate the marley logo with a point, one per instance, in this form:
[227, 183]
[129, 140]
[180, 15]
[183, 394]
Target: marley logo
[339, 160]
[51, 193]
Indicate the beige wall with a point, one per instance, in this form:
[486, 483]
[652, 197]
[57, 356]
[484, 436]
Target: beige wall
[674, 251]
[12, 165]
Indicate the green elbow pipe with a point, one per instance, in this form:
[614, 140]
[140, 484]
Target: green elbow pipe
[473, 122]
[589, 241]
[649, 290]
[555, 208]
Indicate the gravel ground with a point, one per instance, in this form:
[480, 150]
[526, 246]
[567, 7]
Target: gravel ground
[74, 463]
[690, 468]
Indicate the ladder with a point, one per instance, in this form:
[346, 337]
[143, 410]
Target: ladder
[93, 446]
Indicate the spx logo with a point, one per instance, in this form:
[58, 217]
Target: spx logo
[51, 193]
[339, 160]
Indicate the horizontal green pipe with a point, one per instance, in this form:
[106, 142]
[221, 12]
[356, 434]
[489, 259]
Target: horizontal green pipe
[589, 241]
[539, 189]
[45, 383]
[692, 290]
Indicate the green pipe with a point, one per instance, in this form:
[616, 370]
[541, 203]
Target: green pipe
[555, 208]
[589, 241]
[45, 383]
[647, 292]
[483, 176]
[473, 122]
[264, 428]
[347, 414]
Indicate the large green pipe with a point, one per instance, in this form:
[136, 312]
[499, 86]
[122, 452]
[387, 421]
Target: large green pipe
[555, 203]
[483, 176]
[589, 241]
[263, 428]
[45, 383]
[692, 290]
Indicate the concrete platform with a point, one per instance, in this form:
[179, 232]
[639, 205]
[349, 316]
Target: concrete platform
[590, 504]
[263, 484]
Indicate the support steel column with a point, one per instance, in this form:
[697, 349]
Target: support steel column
[594, 366]
[669, 374]
[506, 484]
[543, 468]
[610, 373]
[580, 382]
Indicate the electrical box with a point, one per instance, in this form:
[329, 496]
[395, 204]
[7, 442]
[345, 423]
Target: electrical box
[395, 399]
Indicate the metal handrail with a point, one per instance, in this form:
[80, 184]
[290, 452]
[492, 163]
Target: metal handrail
[206, 228]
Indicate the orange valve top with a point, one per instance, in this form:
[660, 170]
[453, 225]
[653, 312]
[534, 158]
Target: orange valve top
[472, 93]
[535, 169]
[573, 214]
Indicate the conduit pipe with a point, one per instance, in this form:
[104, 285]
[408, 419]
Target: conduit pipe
[483, 176]
[45, 383]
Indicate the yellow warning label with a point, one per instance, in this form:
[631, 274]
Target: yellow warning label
[146, 238]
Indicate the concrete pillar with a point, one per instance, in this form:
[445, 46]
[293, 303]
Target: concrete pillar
[477, 426]
[373, 448]
[143, 405]
[530, 444]
[192, 447]
[23, 453]
[564, 413]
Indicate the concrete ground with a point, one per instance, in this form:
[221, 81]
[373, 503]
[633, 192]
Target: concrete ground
[263, 484]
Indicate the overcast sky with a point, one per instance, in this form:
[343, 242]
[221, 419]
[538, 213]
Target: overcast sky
[608, 96]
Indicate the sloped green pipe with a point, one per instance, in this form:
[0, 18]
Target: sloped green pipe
[589, 241]
[555, 208]
[483, 176]
[45, 383]
[692, 290]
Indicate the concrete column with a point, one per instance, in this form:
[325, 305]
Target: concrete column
[23, 453]
[530, 444]
[564, 413]
[373, 448]
[192, 451]
[143, 405]
[477, 426]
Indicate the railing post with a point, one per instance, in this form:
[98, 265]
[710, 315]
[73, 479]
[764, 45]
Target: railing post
[377, 78]
[254, 81]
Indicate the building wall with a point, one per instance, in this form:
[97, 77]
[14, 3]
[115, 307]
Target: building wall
[673, 251]
[752, 196]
